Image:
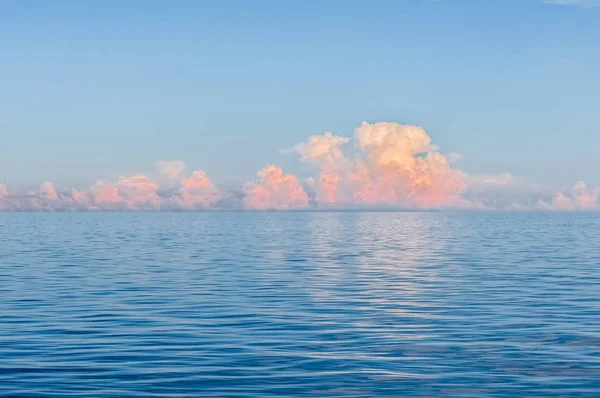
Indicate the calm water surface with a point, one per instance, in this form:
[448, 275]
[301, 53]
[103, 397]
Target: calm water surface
[299, 304]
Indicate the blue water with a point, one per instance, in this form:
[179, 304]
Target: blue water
[299, 304]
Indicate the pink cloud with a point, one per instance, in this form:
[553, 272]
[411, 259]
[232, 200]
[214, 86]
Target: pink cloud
[323, 150]
[48, 192]
[197, 191]
[104, 193]
[579, 197]
[393, 164]
[138, 192]
[275, 190]
[384, 163]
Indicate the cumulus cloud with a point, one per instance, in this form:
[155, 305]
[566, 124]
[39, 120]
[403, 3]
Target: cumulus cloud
[454, 157]
[138, 192]
[79, 198]
[105, 193]
[383, 164]
[48, 192]
[392, 164]
[197, 192]
[323, 150]
[579, 197]
[392, 143]
[3, 195]
[505, 191]
[171, 169]
[275, 191]
[327, 189]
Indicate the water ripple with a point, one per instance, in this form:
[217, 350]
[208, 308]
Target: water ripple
[299, 304]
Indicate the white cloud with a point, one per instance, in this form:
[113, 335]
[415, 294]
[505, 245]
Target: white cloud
[171, 169]
[579, 197]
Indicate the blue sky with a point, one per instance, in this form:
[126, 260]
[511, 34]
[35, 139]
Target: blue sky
[102, 88]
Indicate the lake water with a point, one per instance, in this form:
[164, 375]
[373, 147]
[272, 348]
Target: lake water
[299, 304]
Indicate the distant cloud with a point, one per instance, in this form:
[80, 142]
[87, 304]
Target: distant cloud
[579, 197]
[197, 192]
[491, 180]
[275, 190]
[171, 169]
[504, 191]
[323, 150]
[454, 157]
[384, 164]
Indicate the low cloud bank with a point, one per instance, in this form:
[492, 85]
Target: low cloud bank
[383, 165]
